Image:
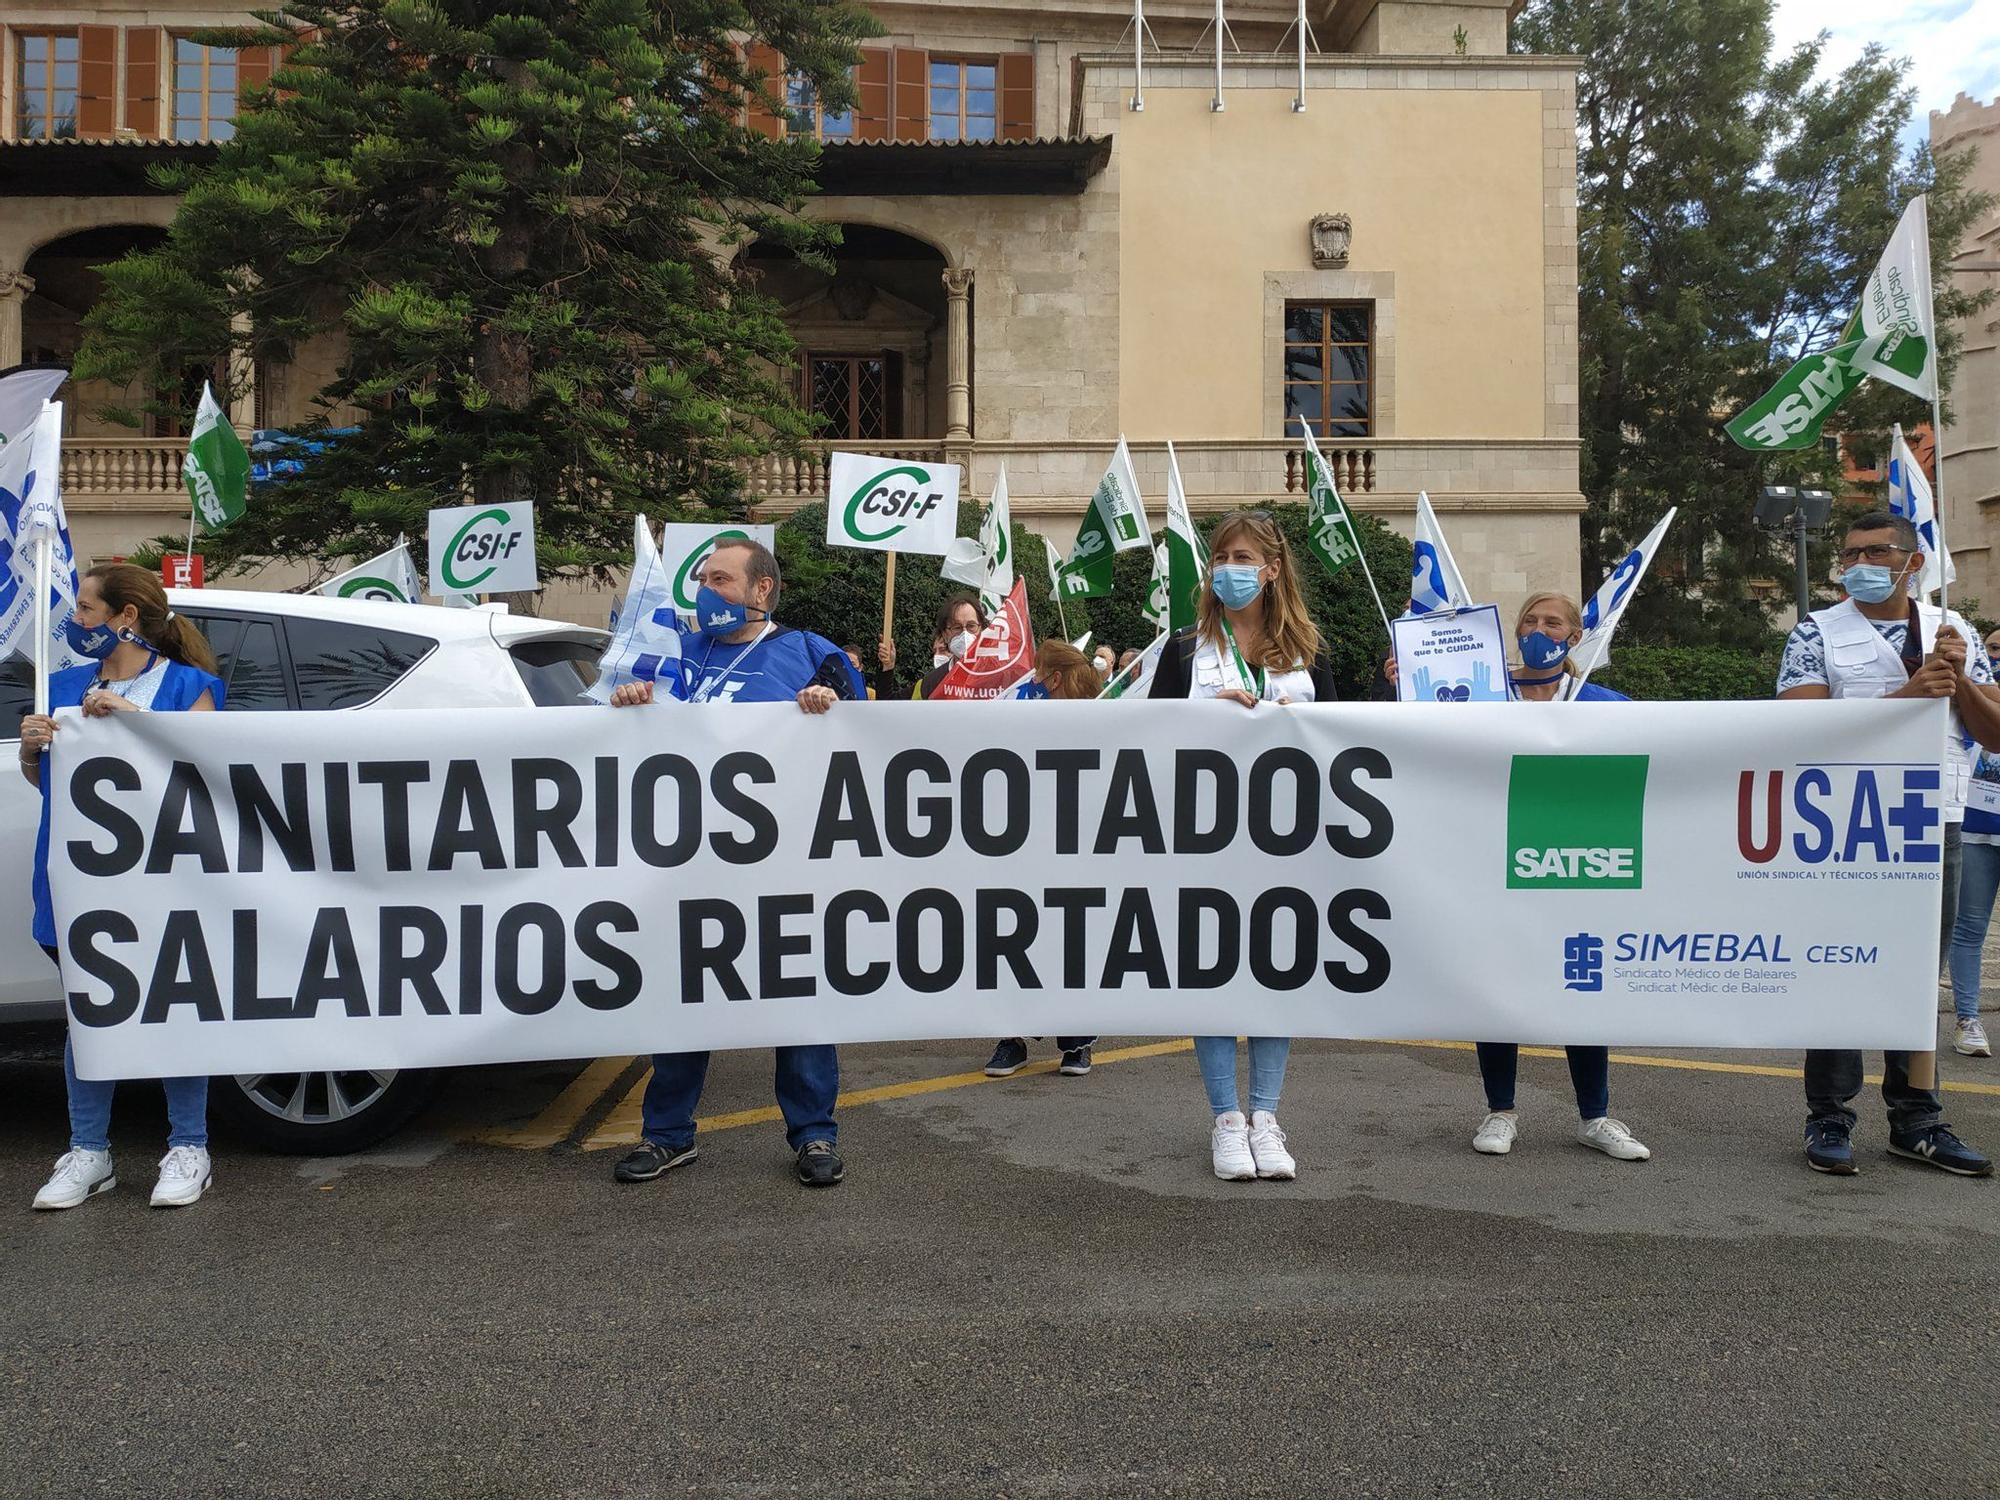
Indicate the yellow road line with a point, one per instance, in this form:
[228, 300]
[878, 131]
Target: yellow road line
[555, 1122]
[621, 1126]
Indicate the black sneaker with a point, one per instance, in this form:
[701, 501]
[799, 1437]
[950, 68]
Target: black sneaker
[1008, 1058]
[1936, 1146]
[820, 1165]
[649, 1159]
[1075, 1062]
[1829, 1148]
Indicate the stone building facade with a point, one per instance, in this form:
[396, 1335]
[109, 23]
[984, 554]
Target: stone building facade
[1971, 448]
[1053, 236]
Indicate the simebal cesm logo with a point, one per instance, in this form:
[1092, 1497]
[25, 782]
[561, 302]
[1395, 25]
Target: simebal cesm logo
[1576, 822]
[902, 496]
[490, 537]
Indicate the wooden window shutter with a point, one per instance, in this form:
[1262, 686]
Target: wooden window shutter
[97, 82]
[766, 101]
[144, 48]
[1017, 96]
[254, 66]
[913, 95]
[871, 83]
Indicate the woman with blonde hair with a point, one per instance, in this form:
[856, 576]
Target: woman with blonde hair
[148, 660]
[1547, 629]
[1252, 642]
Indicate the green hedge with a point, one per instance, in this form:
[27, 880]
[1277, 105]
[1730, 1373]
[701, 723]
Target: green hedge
[838, 593]
[1692, 673]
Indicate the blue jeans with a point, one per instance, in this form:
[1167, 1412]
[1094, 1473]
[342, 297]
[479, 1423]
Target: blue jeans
[1589, 1075]
[1978, 879]
[90, 1105]
[1216, 1056]
[808, 1082]
[90, 1109]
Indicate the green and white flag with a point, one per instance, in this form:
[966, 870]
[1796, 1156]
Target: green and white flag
[1891, 336]
[389, 577]
[217, 468]
[1186, 559]
[988, 563]
[1332, 538]
[1115, 522]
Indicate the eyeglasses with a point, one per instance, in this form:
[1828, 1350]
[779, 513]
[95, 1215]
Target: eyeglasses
[1878, 552]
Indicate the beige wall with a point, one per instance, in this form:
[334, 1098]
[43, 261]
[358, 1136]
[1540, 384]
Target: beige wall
[1445, 190]
[1971, 442]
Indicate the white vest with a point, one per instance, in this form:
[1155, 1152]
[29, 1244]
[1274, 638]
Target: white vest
[1860, 664]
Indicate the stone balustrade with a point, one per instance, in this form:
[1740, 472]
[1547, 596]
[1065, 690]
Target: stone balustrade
[122, 473]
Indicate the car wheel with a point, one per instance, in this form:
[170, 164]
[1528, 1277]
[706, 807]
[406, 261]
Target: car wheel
[322, 1114]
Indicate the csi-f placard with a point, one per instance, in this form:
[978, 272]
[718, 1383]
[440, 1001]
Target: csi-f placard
[483, 549]
[891, 504]
[684, 547]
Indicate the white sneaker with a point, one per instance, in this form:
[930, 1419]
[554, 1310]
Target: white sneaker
[78, 1175]
[1612, 1138]
[1496, 1133]
[1231, 1147]
[1267, 1148]
[1971, 1039]
[184, 1177]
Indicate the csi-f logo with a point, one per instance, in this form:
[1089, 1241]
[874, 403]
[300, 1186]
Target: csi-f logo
[687, 582]
[1576, 822]
[490, 537]
[1583, 964]
[900, 496]
[1884, 815]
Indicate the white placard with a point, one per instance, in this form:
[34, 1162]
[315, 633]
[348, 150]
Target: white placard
[1454, 656]
[891, 504]
[242, 893]
[483, 549]
[685, 546]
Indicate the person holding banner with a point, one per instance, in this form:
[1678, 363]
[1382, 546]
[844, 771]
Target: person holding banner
[1253, 641]
[1545, 630]
[1548, 628]
[156, 661]
[745, 656]
[1882, 642]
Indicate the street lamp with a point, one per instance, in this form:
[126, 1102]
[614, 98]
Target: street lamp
[1785, 505]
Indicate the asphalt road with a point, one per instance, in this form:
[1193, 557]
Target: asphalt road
[1026, 1288]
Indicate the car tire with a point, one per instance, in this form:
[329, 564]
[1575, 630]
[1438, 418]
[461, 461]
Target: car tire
[336, 1113]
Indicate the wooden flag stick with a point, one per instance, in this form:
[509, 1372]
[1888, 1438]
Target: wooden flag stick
[889, 600]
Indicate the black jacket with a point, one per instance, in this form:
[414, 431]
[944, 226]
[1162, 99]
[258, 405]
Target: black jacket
[1174, 677]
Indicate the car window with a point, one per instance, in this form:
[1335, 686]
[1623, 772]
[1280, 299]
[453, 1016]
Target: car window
[340, 664]
[556, 672]
[17, 695]
[253, 672]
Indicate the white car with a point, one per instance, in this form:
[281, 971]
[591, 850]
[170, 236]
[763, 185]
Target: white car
[304, 653]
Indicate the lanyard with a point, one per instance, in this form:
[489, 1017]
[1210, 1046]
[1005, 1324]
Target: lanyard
[130, 683]
[1251, 677]
[701, 694]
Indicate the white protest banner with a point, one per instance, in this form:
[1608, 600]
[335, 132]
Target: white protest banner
[891, 504]
[488, 549]
[1458, 656]
[684, 547]
[241, 893]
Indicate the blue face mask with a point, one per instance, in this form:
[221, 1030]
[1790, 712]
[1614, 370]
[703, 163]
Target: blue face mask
[715, 616]
[1541, 651]
[1868, 583]
[93, 645]
[1236, 584]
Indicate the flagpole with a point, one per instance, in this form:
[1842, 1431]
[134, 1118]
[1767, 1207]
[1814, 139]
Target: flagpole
[1937, 426]
[889, 599]
[41, 618]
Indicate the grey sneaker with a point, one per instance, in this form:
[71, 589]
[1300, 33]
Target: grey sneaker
[1971, 1039]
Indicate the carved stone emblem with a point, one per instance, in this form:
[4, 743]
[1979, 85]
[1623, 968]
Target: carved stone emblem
[1330, 234]
[852, 296]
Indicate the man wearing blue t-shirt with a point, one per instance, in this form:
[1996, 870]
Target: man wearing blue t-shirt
[738, 654]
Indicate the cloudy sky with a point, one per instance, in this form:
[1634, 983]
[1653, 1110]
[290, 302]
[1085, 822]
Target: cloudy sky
[1953, 45]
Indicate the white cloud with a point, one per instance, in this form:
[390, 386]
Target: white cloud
[1953, 46]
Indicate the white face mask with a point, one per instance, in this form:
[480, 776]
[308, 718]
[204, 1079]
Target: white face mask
[959, 644]
[938, 658]
[1103, 667]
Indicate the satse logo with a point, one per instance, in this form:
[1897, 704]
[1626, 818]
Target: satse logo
[1576, 822]
[880, 495]
[1847, 815]
[489, 537]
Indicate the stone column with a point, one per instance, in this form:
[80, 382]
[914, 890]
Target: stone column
[242, 376]
[958, 356]
[14, 289]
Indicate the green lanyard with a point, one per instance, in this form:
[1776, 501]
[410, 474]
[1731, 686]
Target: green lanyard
[1257, 676]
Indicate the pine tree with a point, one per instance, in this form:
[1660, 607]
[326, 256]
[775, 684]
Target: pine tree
[517, 224]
